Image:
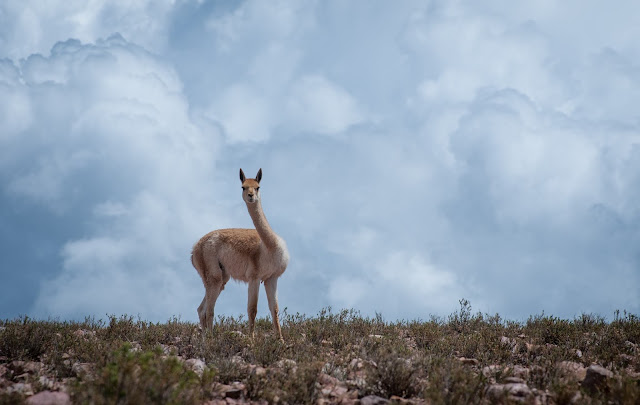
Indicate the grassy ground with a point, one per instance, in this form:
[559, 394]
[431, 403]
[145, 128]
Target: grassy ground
[329, 358]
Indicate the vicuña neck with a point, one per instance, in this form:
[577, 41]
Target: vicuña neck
[265, 232]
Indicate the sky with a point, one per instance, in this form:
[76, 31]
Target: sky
[414, 153]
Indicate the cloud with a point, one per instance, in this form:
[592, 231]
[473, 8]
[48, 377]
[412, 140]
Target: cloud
[245, 114]
[306, 104]
[269, 94]
[413, 154]
[31, 27]
[123, 156]
[317, 105]
[399, 284]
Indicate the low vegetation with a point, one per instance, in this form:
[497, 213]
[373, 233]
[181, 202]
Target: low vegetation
[329, 358]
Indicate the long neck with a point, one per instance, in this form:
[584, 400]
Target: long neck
[265, 232]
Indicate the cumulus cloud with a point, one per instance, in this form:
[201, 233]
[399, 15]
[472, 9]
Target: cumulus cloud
[309, 104]
[113, 146]
[399, 284]
[272, 91]
[33, 27]
[413, 154]
[317, 105]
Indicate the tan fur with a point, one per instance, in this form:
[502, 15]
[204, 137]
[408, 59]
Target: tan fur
[248, 255]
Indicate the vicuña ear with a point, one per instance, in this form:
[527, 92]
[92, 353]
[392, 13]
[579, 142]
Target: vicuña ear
[259, 175]
[242, 177]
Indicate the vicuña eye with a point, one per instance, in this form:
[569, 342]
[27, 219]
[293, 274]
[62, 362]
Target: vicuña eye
[257, 188]
[244, 188]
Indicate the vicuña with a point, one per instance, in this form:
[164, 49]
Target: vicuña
[249, 255]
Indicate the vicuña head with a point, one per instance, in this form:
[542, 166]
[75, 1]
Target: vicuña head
[249, 255]
[251, 187]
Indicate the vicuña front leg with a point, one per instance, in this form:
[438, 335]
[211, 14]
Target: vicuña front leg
[271, 287]
[252, 305]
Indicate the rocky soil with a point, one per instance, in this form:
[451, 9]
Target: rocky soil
[325, 360]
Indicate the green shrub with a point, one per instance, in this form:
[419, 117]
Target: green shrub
[141, 377]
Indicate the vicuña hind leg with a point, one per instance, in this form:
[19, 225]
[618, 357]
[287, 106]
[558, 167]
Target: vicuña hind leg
[205, 310]
[271, 287]
[252, 305]
[201, 313]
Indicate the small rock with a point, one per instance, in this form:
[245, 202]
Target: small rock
[359, 382]
[579, 353]
[135, 346]
[239, 385]
[46, 382]
[21, 388]
[468, 361]
[196, 365]
[21, 377]
[399, 400]
[168, 349]
[514, 380]
[79, 333]
[49, 398]
[332, 369]
[33, 367]
[325, 379]
[82, 369]
[376, 336]
[233, 393]
[258, 371]
[491, 371]
[373, 400]
[334, 391]
[222, 388]
[286, 363]
[515, 391]
[519, 390]
[21, 367]
[521, 372]
[572, 370]
[505, 341]
[334, 388]
[356, 364]
[596, 377]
